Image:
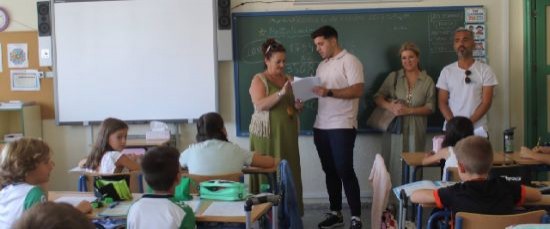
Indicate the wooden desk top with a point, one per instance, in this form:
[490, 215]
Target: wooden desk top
[257, 170]
[140, 142]
[524, 161]
[53, 195]
[257, 210]
[545, 201]
[499, 158]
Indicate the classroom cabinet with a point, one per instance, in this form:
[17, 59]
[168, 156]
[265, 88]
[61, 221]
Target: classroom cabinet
[25, 120]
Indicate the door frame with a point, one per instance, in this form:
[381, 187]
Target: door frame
[530, 98]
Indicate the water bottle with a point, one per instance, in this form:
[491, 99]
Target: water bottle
[508, 139]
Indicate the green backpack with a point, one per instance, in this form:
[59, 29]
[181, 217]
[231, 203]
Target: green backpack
[116, 189]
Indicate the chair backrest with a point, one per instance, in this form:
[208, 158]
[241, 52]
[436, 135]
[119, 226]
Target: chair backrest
[464, 220]
[517, 173]
[134, 178]
[197, 179]
[452, 174]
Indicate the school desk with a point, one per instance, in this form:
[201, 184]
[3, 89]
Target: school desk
[145, 143]
[544, 202]
[257, 210]
[413, 160]
[270, 173]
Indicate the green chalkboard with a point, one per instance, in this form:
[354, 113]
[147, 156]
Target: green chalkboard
[373, 35]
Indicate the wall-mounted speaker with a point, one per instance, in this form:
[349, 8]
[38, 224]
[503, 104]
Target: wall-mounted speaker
[44, 33]
[44, 22]
[224, 14]
[224, 48]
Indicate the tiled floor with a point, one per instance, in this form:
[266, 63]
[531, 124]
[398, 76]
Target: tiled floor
[315, 213]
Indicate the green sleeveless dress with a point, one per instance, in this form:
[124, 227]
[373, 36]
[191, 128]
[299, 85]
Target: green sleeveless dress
[282, 142]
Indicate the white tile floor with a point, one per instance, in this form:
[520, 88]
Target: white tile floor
[315, 213]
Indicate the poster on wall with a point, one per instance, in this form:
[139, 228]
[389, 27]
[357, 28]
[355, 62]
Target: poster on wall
[18, 57]
[25, 80]
[479, 31]
[479, 49]
[474, 15]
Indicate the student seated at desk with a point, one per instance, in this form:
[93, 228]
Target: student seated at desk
[477, 193]
[52, 215]
[25, 167]
[539, 153]
[213, 154]
[456, 129]
[159, 210]
[106, 156]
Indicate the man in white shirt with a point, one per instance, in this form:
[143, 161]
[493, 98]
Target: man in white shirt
[335, 128]
[466, 86]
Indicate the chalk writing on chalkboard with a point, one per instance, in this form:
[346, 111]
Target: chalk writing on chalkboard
[373, 35]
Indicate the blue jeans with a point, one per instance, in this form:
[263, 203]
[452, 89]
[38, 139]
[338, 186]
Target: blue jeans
[335, 149]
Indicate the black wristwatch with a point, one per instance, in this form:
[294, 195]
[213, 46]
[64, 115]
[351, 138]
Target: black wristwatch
[329, 93]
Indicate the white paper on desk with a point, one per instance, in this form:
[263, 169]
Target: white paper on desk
[81, 170]
[303, 87]
[424, 184]
[74, 200]
[194, 204]
[119, 210]
[225, 208]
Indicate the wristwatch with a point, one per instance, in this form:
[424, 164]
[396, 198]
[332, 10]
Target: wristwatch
[329, 93]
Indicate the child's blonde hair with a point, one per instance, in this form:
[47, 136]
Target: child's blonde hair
[20, 157]
[475, 153]
[101, 145]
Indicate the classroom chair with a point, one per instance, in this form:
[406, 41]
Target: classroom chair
[517, 173]
[86, 181]
[452, 174]
[466, 220]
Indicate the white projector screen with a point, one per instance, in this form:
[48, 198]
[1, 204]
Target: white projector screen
[134, 60]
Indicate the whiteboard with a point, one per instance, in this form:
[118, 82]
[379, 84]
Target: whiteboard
[134, 60]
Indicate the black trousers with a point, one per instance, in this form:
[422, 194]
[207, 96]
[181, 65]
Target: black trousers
[335, 149]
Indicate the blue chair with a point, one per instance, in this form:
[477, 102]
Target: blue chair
[439, 217]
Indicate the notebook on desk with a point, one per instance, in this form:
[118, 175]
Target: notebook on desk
[119, 210]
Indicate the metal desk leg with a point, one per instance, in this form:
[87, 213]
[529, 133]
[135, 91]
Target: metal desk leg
[418, 216]
[405, 175]
[272, 178]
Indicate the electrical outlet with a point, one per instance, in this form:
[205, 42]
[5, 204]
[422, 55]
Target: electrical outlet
[49, 74]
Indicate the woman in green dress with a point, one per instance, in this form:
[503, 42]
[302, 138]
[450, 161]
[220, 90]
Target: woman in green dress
[274, 126]
[413, 93]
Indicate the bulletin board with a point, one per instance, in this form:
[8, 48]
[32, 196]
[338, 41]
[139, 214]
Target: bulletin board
[43, 97]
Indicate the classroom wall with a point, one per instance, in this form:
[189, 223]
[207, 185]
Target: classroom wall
[70, 143]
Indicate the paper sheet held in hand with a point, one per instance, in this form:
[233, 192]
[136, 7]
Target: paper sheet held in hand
[303, 87]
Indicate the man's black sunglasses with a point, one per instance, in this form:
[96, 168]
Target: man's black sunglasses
[467, 79]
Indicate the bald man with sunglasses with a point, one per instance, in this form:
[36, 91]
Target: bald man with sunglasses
[466, 86]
